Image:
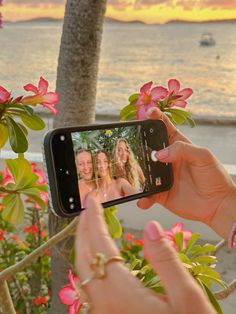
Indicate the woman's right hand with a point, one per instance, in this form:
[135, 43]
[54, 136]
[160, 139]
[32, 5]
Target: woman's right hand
[202, 189]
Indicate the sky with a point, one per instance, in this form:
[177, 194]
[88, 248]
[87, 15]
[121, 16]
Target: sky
[149, 11]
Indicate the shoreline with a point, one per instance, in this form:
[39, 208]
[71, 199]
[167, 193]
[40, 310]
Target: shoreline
[199, 119]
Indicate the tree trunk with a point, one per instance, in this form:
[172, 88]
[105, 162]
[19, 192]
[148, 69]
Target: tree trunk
[76, 84]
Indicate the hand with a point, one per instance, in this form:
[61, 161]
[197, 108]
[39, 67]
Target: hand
[202, 188]
[121, 292]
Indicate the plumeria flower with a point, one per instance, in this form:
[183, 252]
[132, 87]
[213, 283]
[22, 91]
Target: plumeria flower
[148, 98]
[178, 96]
[4, 95]
[69, 295]
[42, 97]
[178, 227]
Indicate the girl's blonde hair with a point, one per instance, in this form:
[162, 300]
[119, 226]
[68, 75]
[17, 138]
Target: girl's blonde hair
[129, 170]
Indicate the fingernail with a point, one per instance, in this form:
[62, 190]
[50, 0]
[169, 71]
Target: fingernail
[154, 231]
[150, 111]
[162, 154]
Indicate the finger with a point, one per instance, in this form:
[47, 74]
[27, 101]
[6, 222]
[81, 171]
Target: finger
[166, 263]
[99, 237]
[146, 202]
[179, 150]
[155, 113]
[82, 254]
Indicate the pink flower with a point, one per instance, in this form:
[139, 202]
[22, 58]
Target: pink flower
[47, 99]
[39, 300]
[69, 295]
[179, 96]
[7, 177]
[178, 227]
[40, 173]
[128, 236]
[148, 98]
[4, 94]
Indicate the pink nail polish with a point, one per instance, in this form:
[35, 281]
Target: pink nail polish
[154, 231]
[162, 154]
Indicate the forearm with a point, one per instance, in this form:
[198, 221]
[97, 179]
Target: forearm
[225, 215]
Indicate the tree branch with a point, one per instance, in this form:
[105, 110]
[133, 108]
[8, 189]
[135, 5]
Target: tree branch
[8, 272]
[223, 294]
[220, 245]
[6, 303]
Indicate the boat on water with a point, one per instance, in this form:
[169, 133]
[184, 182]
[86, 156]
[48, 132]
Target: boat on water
[207, 40]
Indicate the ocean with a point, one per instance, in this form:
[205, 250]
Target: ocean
[131, 55]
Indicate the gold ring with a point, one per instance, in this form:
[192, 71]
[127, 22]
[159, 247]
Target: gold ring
[85, 308]
[100, 261]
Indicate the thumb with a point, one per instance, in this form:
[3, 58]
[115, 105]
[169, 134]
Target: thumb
[179, 150]
[166, 263]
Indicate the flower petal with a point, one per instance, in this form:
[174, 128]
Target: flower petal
[4, 94]
[180, 103]
[185, 93]
[174, 86]
[42, 86]
[159, 92]
[68, 295]
[146, 87]
[31, 88]
[50, 107]
[141, 113]
[50, 98]
[74, 308]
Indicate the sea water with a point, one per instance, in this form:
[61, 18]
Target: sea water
[131, 55]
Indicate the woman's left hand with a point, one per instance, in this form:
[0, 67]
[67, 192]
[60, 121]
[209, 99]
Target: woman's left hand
[120, 291]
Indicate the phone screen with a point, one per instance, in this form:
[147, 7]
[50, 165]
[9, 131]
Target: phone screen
[111, 163]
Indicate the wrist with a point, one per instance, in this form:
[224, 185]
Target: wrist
[225, 215]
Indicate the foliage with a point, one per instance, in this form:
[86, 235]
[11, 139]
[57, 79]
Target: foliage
[171, 101]
[30, 289]
[21, 109]
[196, 258]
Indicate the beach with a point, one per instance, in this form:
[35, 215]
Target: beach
[123, 70]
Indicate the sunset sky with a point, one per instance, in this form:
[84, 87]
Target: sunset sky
[149, 11]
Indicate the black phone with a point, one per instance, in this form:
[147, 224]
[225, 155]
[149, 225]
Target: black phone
[114, 162]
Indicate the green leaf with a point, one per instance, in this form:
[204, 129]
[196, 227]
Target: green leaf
[191, 241]
[29, 109]
[22, 173]
[184, 258]
[191, 122]
[205, 270]
[128, 112]
[23, 128]
[212, 278]
[13, 209]
[34, 194]
[133, 97]
[212, 299]
[3, 134]
[177, 117]
[179, 240]
[34, 122]
[205, 259]
[113, 223]
[18, 141]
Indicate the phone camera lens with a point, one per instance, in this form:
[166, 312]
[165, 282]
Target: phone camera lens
[151, 130]
[72, 206]
[62, 138]
[71, 199]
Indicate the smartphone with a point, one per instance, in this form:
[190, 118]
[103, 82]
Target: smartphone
[114, 162]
